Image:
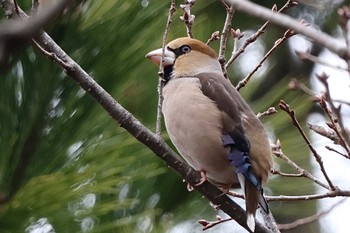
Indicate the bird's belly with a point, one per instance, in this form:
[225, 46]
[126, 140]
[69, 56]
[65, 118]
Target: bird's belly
[194, 125]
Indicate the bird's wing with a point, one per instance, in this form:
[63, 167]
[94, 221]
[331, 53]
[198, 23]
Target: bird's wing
[229, 101]
[231, 104]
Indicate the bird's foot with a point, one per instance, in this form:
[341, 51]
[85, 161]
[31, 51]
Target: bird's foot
[224, 191]
[189, 187]
[201, 181]
[203, 178]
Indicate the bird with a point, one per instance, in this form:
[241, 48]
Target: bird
[210, 124]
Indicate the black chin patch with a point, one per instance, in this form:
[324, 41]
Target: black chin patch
[167, 73]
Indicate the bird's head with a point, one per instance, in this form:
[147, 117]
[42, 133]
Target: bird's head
[186, 57]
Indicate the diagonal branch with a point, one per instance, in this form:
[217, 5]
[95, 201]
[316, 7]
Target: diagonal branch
[309, 219]
[289, 33]
[320, 38]
[143, 134]
[304, 173]
[236, 53]
[285, 107]
[126, 120]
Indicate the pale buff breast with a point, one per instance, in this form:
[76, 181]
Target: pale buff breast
[194, 125]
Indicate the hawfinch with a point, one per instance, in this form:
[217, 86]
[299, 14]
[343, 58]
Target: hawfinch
[210, 124]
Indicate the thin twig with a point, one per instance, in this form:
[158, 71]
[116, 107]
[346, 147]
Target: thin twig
[341, 101]
[317, 36]
[325, 133]
[307, 56]
[308, 197]
[268, 112]
[187, 17]
[209, 224]
[236, 53]
[160, 86]
[224, 35]
[344, 137]
[334, 150]
[285, 107]
[52, 56]
[289, 33]
[277, 172]
[344, 16]
[294, 84]
[309, 219]
[214, 36]
[25, 27]
[276, 149]
[334, 127]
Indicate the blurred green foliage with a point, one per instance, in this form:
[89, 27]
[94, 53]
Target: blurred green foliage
[65, 163]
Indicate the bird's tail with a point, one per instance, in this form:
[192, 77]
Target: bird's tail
[253, 198]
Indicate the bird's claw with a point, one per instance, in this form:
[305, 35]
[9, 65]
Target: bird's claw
[224, 191]
[203, 178]
[201, 181]
[189, 187]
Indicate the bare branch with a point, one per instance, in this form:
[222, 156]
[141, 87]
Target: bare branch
[214, 36]
[172, 10]
[235, 53]
[309, 219]
[285, 107]
[289, 33]
[307, 56]
[208, 224]
[187, 17]
[309, 197]
[334, 150]
[325, 133]
[14, 32]
[320, 38]
[223, 39]
[137, 129]
[26, 27]
[276, 149]
[344, 16]
[268, 112]
[342, 133]
[277, 172]
[294, 84]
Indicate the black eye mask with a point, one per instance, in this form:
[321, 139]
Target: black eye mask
[181, 50]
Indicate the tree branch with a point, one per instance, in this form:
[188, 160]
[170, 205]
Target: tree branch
[278, 152]
[135, 127]
[309, 219]
[172, 10]
[285, 107]
[223, 38]
[14, 32]
[289, 33]
[320, 38]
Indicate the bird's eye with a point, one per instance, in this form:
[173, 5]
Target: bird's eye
[185, 49]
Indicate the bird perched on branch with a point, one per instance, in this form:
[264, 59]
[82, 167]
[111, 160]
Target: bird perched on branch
[211, 125]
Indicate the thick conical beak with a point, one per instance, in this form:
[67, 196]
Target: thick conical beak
[156, 57]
